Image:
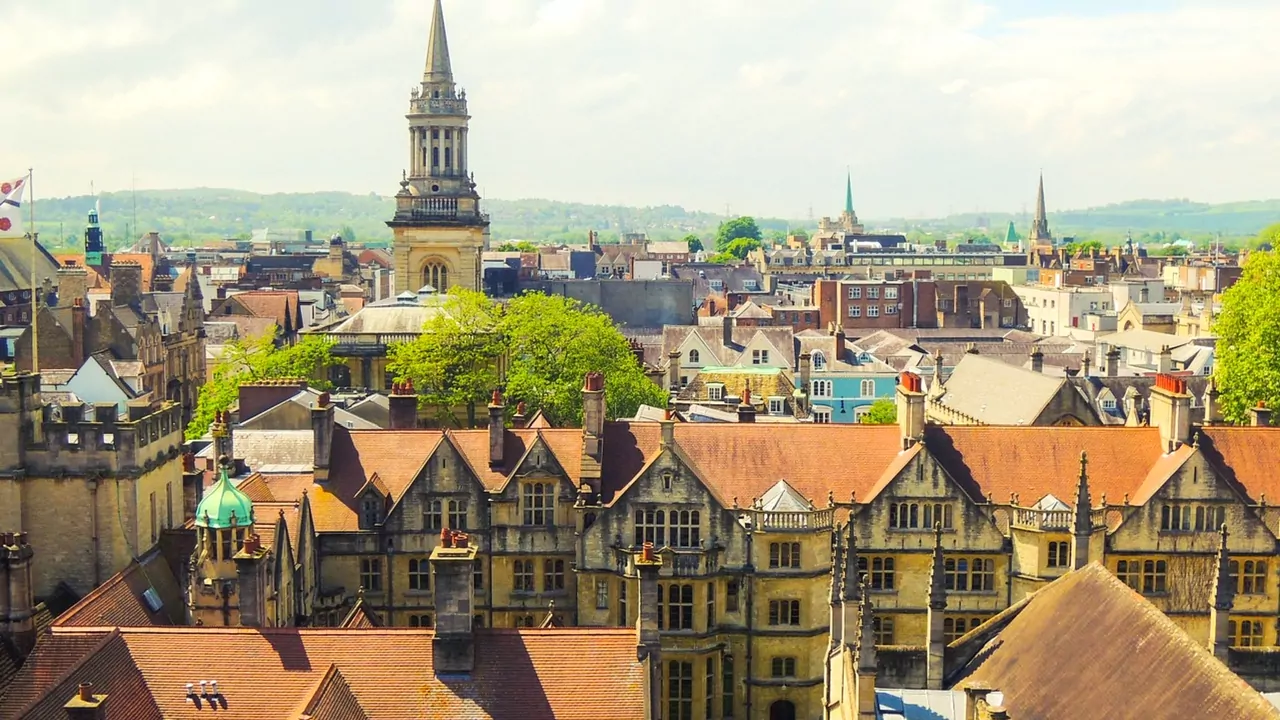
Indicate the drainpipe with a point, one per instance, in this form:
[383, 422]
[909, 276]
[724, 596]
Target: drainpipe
[93, 530]
[751, 623]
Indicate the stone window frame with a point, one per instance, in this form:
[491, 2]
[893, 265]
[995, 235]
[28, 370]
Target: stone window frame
[420, 574]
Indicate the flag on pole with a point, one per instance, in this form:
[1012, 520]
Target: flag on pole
[11, 207]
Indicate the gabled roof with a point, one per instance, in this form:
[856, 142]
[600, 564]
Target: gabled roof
[332, 699]
[994, 393]
[1039, 461]
[360, 616]
[560, 674]
[783, 498]
[1069, 653]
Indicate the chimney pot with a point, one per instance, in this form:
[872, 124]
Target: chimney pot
[86, 692]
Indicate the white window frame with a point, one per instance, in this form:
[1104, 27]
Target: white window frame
[855, 311]
[891, 309]
[890, 293]
[862, 388]
[822, 415]
[776, 405]
[873, 311]
[715, 391]
[760, 357]
[819, 361]
[821, 388]
[873, 293]
[855, 292]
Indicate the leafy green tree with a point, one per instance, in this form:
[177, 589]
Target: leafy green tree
[549, 343]
[554, 342]
[259, 359]
[1268, 239]
[694, 243]
[517, 246]
[1085, 246]
[348, 234]
[882, 412]
[723, 258]
[743, 227]
[740, 247]
[1248, 330]
[453, 363]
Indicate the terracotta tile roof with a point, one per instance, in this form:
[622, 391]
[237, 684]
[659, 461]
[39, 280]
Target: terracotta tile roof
[1037, 461]
[393, 457]
[1069, 654]
[9, 662]
[360, 617]
[119, 600]
[279, 305]
[565, 674]
[473, 445]
[1246, 455]
[1161, 470]
[47, 665]
[332, 699]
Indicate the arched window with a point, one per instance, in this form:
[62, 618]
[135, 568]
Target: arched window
[435, 157]
[694, 356]
[819, 361]
[436, 275]
[868, 388]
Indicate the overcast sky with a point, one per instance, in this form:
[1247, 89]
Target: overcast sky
[937, 105]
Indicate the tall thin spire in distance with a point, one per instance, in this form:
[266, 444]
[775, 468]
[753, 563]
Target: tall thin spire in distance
[438, 69]
[848, 191]
[1040, 224]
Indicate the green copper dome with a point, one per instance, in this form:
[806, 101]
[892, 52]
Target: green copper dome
[222, 503]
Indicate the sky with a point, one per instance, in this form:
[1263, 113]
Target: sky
[745, 106]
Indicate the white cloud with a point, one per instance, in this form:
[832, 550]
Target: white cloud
[937, 104]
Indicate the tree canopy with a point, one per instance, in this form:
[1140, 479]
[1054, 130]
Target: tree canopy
[740, 247]
[517, 246]
[730, 230]
[882, 412]
[259, 359]
[1248, 330]
[694, 243]
[1268, 239]
[547, 343]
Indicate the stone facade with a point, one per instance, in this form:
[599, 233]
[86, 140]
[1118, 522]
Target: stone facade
[91, 493]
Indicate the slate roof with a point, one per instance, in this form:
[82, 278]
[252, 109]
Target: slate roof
[120, 601]
[673, 336]
[1090, 623]
[533, 674]
[996, 393]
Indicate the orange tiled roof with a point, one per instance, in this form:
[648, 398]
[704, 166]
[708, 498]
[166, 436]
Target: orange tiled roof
[119, 600]
[359, 617]
[279, 305]
[473, 445]
[1248, 456]
[1038, 461]
[333, 700]
[569, 674]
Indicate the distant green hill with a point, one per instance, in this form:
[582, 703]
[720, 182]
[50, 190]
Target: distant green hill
[192, 215]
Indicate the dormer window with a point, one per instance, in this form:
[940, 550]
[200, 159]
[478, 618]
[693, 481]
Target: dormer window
[370, 512]
[819, 361]
[715, 391]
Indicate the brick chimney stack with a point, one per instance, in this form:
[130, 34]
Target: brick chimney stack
[1260, 415]
[322, 432]
[910, 399]
[1171, 410]
[403, 405]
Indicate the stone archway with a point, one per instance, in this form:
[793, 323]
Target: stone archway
[782, 710]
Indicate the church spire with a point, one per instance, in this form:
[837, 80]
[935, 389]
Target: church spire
[848, 192]
[1040, 225]
[438, 69]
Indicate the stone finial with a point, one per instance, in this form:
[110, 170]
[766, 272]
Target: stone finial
[1224, 587]
[850, 580]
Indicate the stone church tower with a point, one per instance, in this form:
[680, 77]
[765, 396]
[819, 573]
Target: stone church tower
[439, 229]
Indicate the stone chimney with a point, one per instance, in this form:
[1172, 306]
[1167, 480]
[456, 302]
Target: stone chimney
[126, 283]
[17, 599]
[1212, 409]
[727, 326]
[322, 431]
[1111, 362]
[1086, 364]
[673, 371]
[593, 404]
[746, 411]
[453, 647]
[79, 315]
[253, 582]
[1224, 593]
[1260, 415]
[85, 705]
[937, 639]
[402, 405]
[73, 284]
[910, 409]
[1164, 361]
[1082, 518]
[668, 429]
[1144, 294]
[1171, 411]
[841, 339]
[648, 637]
[497, 430]
[1037, 360]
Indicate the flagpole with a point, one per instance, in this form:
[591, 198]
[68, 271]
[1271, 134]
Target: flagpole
[35, 289]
